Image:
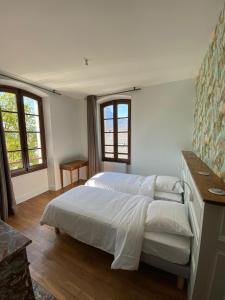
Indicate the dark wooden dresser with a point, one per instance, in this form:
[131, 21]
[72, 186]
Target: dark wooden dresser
[15, 280]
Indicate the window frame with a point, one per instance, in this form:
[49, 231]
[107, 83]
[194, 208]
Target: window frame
[115, 103]
[23, 132]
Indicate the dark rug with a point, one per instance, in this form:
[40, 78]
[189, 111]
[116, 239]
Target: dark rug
[40, 293]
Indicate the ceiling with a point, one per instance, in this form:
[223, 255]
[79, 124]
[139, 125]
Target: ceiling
[128, 42]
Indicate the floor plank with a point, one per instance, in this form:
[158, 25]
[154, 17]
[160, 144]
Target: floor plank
[72, 270]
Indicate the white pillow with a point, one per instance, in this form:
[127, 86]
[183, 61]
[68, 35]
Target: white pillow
[168, 217]
[168, 197]
[168, 184]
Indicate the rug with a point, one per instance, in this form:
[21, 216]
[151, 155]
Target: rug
[41, 293]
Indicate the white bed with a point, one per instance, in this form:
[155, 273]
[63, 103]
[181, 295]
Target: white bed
[125, 183]
[157, 187]
[114, 222]
[111, 221]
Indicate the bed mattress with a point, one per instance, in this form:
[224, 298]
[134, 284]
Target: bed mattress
[172, 248]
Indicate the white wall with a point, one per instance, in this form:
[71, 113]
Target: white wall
[66, 141]
[29, 185]
[161, 126]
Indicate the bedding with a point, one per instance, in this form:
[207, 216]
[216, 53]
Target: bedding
[125, 183]
[136, 184]
[111, 221]
[168, 217]
[172, 248]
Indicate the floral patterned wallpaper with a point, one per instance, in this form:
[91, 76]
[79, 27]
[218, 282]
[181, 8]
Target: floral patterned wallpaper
[209, 116]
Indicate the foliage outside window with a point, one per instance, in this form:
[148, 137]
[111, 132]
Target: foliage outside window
[116, 130]
[23, 124]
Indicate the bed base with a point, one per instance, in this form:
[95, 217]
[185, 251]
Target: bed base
[182, 271]
[180, 282]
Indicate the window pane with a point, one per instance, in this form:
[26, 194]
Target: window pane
[123, 149]
[109, 149]
[122, 110]
[123, 138]
[123, 156]
[34, 140]
[108, 138]
[8, 101]
[35, 157]
[12, 141]
[108, 112]
[10, 121]
[35, 162]
[123, 124]
[109, 155]
[15, 160]
[30, 105]
[15, 166]
[32, 123]
[108, 125]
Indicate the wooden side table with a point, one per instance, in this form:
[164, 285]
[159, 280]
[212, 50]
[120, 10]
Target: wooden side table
[71, 166]
[15, 280]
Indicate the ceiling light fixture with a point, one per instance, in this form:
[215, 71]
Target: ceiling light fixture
[86, 61]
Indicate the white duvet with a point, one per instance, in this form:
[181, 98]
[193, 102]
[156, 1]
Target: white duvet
[109, 220]
[125, 183]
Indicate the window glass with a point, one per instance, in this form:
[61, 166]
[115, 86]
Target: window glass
[8, 101]
[108, 112]
[109, 139]
[10, 121]
[30, 106]
[123, 138]
[108, 125]
[32, 123]
[123, 124]
[122, 110]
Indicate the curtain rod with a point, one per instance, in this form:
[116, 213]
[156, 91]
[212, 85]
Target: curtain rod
[134, 89]
[31, 84]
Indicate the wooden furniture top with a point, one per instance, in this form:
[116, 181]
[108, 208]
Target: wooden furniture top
[11, 241]
[73, 165]
[203, 183]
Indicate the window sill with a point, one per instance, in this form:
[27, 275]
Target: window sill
[23, 172]
[117, 161]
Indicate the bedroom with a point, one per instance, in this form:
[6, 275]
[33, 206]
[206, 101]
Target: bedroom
[119, 87]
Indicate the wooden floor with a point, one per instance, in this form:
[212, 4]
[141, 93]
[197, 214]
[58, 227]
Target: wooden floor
[71, 270]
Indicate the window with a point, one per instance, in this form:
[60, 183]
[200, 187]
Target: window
[23, 124]
[116, 130]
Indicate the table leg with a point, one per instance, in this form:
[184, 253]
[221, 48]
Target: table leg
[71, 176]
[87, 172]
[61, 177]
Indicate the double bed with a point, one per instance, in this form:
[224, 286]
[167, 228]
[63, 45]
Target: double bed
[114, 221]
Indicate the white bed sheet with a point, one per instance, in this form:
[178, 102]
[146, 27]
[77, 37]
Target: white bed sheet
[125, 183]
[111, 221]
[173, 248]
